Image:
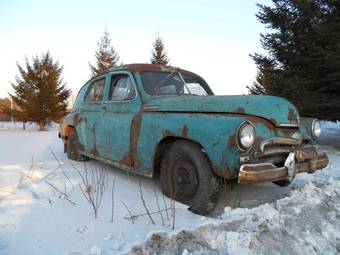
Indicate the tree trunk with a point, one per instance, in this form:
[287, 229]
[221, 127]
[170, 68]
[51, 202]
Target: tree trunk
[41, 125]
[24, 124]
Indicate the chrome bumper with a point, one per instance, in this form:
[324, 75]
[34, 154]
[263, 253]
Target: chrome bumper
[267, 172]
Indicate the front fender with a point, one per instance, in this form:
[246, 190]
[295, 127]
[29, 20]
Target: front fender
[216, 133]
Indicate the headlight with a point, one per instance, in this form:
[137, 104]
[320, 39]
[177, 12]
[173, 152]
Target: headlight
[246, 136]
[316, 128]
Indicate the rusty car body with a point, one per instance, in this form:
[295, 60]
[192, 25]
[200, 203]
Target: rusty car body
[133, 130]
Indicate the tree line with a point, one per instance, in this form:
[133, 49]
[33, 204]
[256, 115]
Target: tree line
[41, 95]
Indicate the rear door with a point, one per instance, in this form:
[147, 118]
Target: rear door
[91, 115]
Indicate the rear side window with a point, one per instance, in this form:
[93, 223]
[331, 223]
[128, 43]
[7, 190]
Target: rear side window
[96, 91]
[121, 88]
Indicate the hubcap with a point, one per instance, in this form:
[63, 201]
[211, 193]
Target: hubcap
[184, 178]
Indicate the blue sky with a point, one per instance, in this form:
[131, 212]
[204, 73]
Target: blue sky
[211, 38]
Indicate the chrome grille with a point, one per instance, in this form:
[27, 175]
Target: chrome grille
[275, 150]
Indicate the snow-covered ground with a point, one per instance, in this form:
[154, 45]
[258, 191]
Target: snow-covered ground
[18, 126]
[43, 210]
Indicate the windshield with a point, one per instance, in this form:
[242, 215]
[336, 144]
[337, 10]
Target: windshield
[176, 83]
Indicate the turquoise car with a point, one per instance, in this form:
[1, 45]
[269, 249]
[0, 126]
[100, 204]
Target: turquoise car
[164, 121]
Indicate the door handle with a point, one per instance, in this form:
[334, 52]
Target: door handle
[104, 108]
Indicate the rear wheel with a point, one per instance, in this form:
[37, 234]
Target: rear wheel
[72, 146]
[186, 176]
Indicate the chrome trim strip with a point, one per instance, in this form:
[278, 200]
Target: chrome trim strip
[151, 107]
[289, 125]
[279, 140]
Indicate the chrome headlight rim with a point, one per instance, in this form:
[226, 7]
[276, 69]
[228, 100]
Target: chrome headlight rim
[316, 134]
[238, 138]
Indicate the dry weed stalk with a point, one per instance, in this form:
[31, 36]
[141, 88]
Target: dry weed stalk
[144, 204]
[173, 206]
[92, 186]
[165, 206]
[113, 198]
[134, 216]
[131, 215]
[60, 192]
[225, 186]
[62, 168]
[159, 208]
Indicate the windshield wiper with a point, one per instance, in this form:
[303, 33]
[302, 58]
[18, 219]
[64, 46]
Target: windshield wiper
[184, 83]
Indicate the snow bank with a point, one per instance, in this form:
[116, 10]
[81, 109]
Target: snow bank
[307, 222]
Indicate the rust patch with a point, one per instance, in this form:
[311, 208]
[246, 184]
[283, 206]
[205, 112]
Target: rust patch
[76, 119]
[185, 131]
[139, 68]
[256, 121]
[232, 142]
[240, 110]
[94, 150]
[125, 161]
[131, 160]
[288, 132]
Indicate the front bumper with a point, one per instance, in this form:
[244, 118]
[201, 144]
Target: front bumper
[267, 172]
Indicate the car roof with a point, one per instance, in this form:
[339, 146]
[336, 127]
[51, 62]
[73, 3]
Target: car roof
[141, 68]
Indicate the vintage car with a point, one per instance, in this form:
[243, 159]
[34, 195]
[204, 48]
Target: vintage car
[163, 121]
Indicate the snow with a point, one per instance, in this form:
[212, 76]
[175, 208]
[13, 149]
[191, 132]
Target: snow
[43, 211]
[29, 126]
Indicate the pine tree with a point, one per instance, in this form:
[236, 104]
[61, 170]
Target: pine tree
[303, 48]
[106, 56]
[5, 106]
[39, 91]
[159, 55]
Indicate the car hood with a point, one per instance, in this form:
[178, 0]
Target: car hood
[276, 109]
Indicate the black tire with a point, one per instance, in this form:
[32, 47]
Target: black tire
[72, 146]
[186, 175]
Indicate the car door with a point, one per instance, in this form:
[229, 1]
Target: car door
[121, 105]
[91, 115]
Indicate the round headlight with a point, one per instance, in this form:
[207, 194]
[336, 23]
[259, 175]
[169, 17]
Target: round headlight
[316, 128]
[246, 136]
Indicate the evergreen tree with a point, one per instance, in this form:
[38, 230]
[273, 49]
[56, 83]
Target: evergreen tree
[159, 55]
[303, 50]
[5, 106]
[106, 56]
[39, 91]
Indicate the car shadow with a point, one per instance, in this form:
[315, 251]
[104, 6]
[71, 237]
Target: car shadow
[236, 195]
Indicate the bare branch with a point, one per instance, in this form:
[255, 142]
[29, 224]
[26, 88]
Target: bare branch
[143, 201]
[131, 216]
[159, 209]
[165, 206]
[113, 198]
[60, 192]
[145, 214]
[61, 167]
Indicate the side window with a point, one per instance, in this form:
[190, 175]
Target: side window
[121, 88]
[96, 91]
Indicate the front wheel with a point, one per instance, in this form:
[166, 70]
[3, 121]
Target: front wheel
[186, 176]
